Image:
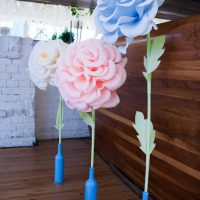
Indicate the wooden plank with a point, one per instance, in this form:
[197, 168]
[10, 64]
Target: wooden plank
[27, 173]
[175, 163]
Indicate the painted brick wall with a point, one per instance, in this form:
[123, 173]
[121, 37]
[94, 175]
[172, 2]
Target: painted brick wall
[46, 109]
[17, 111]
[27, 113]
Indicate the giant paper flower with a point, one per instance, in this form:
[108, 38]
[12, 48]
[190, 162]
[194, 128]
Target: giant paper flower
[130, 18]
[42, 62]
[88, 74]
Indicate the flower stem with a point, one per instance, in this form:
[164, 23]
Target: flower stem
[59, 120]
[148, 115]
[93, 139]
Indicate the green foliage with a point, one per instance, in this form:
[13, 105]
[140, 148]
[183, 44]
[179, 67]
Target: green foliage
[91, 11]
[156, 52]
[141, 126]
[76, 11]
[87, 119]
[54, 36]
[66, 36]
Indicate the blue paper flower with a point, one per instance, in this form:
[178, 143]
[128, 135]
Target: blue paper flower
[130, 18]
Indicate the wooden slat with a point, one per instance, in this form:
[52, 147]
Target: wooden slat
[175, 163]
[27, 173]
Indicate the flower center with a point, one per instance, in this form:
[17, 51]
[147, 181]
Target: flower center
[44, 55]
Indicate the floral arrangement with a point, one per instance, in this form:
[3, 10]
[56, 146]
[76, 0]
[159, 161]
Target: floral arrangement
[116, 18]
[89, 72]
[42, 69]
[88, 76]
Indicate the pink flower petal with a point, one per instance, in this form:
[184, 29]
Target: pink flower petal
[81, 83]
[75, 71]
[119, 78]
[91, 86]
[89, 97]
[104, 97]
[112, 102]
[111, 70]
[72, 90]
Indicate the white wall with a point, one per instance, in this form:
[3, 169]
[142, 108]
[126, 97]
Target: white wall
[24, 111]
[17, 122]
[46, 109]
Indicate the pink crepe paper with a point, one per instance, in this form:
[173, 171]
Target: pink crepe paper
[88, 74]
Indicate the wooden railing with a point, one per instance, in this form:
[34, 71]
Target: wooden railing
[175, 162]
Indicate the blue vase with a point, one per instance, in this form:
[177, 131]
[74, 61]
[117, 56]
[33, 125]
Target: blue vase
[91, 186]
[145, 196]
[59, 166]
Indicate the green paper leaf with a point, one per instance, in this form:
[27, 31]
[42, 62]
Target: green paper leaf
[59, 120]
[87, 119]
[140, 126]
[152, 62]
[145, 62]
[147, 76]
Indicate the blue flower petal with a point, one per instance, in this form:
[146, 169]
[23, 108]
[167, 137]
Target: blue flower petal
[111, 38]
[152, 10]
[148, 29]
[122, 49]
[122, 20]
[98, 24]
[160, 2]
[135, 29]
[128, 3]
[146, 3]
[119, 11]
[140, 10]
[130, 18]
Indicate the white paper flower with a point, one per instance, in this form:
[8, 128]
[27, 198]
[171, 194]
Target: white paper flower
[42, 62]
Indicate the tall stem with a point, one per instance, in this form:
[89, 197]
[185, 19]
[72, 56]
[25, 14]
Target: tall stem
[59, 121]
[93, 139]
[148, 115]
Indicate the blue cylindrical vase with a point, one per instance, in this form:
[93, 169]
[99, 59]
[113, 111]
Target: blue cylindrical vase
[59, 166]
[145, 196]
[91, 186]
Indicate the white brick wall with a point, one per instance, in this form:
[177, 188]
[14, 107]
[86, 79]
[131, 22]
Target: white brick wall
[46, 109]
[18, 102]
[17, 110]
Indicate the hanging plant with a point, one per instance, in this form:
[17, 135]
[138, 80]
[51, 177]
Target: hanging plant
[76, 11]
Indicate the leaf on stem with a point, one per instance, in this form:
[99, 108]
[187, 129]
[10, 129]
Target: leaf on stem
[152, 62]
[59, 120]
[140, 126]
[87, 119]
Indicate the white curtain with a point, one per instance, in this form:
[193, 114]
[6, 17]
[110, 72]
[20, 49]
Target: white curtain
[23, 14]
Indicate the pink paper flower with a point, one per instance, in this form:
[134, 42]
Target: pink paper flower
[88, 74]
